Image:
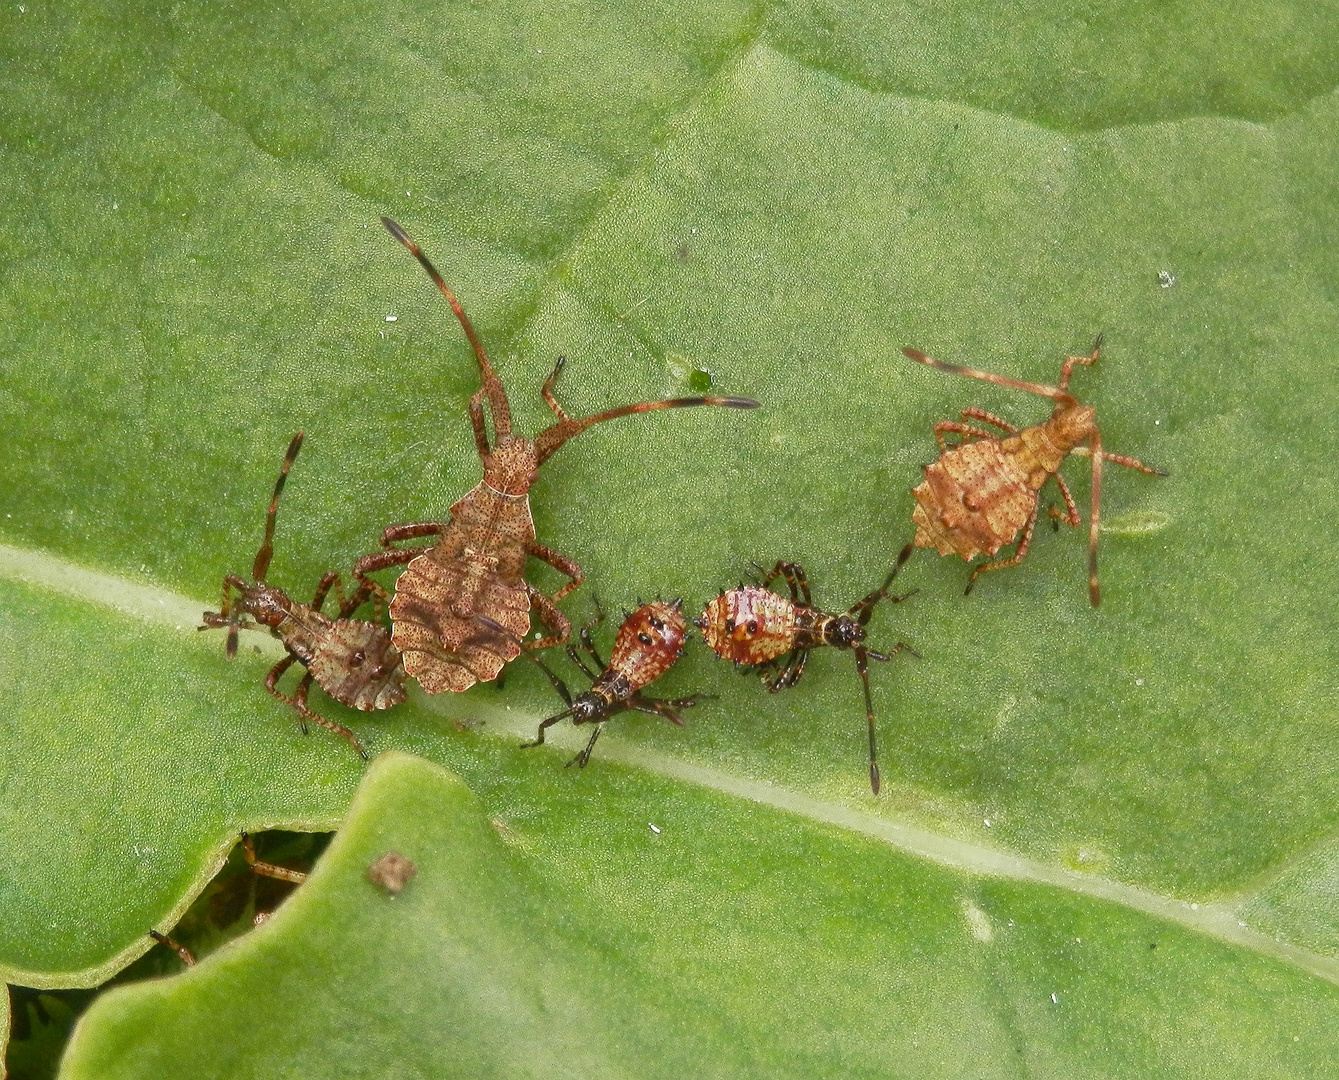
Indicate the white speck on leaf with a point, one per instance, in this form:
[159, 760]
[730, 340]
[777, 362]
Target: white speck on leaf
[654, 828]
[392, 318]
[1166, 279]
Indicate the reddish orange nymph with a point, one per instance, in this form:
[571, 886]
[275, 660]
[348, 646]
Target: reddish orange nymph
[650, 640]
[756, 627]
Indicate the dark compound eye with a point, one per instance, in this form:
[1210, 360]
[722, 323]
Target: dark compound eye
[645, 638]
[752, 627]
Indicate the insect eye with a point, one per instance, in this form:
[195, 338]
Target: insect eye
[644, 638]
[752, 627]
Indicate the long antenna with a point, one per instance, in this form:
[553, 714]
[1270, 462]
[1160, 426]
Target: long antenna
[262, 564]
[497, 397]
[1054, 392]
[550, 439]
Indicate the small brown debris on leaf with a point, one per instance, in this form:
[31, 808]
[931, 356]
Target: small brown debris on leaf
[392, 872]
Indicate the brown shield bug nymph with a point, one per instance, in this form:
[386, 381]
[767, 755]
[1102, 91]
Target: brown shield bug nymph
[980, 493]
[649, 642]
[756, 627]
[462, 606]
[351, 660]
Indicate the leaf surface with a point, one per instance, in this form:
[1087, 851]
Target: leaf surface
[778, 200]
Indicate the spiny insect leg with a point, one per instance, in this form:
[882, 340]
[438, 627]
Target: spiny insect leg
[1071, 517]
[300, 703]
[1083, 361]
[187, 957]
[267, 869]
[560, 562]
[272, 681]
[381, 560]
[1015, 558]
[972, 412]
[329, 578]
[862, 666]
[943, 427]
[1132, 463]
[266, 552]
[551, 617]
[796, 579]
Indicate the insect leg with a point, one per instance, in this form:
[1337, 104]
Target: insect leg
[575, 657]
[266, 869]
[186, 955]
[272, 680]
[380, 560]
[559, 562]
[862, 666]
[558, 684]
[974, 413]
[546, 391]
[300, 703]
[551, 617]
[1015, 558]
[960, 428]
[539, 737]
[331, 577]
[1121, 459]
[1083, 361]
[580, 760]
[1070, 518]
[901, 646]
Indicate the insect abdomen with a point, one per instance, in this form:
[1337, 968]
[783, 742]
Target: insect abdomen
[975, 498]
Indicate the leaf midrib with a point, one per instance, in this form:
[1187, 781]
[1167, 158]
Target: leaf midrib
[1218, 920]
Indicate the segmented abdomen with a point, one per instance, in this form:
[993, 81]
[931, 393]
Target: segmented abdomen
[357, 665]
[456, 621]
[749, 625]
[976, 498]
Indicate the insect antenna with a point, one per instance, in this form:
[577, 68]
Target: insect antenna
[865, 608]
[551, 438]
[266, 552]
[1054, 392]
[862, 666]
[497, 397]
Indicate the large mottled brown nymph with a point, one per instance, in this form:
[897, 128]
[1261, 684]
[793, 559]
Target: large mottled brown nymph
[984, 489]
[462, 606]
[650, 640]
[351, 660]
[756, 627]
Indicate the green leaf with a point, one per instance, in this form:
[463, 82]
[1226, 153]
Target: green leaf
[796, 950]
[191, 269]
